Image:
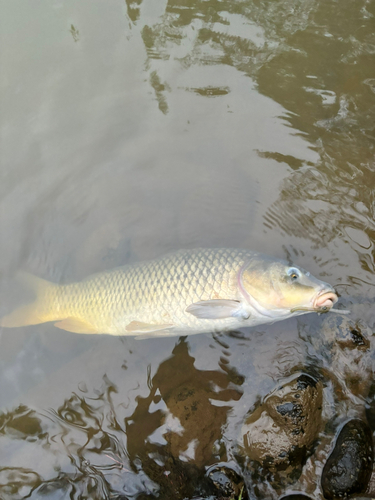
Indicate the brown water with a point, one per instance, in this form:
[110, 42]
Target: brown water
[131, 129]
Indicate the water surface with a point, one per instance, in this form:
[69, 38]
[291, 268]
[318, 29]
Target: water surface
[130, 129]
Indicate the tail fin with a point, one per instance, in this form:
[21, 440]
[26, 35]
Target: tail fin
[36, 312]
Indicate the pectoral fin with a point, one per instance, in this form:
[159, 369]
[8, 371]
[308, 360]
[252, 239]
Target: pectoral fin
[217, 309]
[76, 325]
[146, 328]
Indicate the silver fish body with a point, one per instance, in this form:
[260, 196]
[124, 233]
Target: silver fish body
[189, 291]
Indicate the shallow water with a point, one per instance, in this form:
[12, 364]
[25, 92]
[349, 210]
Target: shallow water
[132, 129]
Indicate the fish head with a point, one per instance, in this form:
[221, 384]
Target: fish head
[274, 288]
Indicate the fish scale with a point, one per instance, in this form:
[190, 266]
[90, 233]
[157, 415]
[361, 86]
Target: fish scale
[150, 292]
[184, 292]
[164, 283]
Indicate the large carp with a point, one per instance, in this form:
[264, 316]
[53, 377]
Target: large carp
[189, 291]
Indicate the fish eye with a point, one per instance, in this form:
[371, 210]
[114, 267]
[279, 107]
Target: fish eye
[294, 273]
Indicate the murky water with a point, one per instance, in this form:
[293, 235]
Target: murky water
[132, 129]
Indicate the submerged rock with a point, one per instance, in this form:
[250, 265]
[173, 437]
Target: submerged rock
[227, 482]
[295, 496]
[280, 433]
[344, 349]
[349, 467]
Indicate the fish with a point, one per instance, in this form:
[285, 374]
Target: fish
[185, 292]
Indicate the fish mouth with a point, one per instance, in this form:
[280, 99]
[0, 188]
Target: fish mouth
[324, 301]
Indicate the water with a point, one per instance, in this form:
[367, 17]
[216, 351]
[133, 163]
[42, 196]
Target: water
[132, 129]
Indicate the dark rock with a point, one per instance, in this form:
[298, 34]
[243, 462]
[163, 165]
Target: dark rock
[305, 381]
[358, 339]
[370, 492]
[227, 482]
[348, 468]
[370, 407]
[295, 496]
[281, 432]
[348, 349]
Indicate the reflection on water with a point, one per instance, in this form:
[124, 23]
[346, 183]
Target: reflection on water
[180, 422]
[158, 436]
[133, 128]
[163, 446]
[324, 90]
[336, 214]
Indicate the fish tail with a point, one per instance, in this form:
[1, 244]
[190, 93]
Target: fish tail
[38, 311]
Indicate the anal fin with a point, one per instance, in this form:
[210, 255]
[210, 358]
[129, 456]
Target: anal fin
[76, 325]
[137, 327]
